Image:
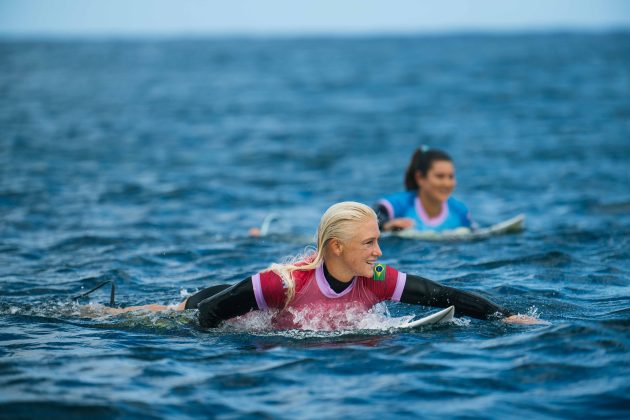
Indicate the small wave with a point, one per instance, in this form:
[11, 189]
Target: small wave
[83, 241]
[551, 258]
[622, 207]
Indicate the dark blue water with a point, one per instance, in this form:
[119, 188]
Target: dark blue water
[146, 162]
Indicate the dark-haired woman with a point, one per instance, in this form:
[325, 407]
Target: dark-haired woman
[427, 203]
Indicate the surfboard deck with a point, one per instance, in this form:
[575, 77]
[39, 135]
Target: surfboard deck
[515, 224]
[444, 315]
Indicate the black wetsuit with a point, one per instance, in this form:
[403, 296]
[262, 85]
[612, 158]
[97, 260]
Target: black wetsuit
[224, 301]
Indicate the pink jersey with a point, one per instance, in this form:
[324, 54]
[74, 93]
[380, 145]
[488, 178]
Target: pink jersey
[316, 305]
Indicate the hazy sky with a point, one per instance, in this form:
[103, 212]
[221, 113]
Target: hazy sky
[185, 17]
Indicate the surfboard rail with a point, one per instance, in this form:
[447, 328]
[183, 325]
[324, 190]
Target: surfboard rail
[512, 225]
[444, 315]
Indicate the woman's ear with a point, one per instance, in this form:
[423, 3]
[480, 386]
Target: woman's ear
[418, 177]
[336, 246]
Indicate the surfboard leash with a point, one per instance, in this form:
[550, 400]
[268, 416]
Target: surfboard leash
[112, 293]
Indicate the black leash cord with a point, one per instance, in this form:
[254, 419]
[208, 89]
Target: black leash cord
[112, 295]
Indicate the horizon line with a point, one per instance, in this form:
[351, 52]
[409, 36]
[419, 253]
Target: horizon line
[283, 34]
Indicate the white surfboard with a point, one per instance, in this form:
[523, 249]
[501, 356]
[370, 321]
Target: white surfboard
[444, 315]
[515, 224]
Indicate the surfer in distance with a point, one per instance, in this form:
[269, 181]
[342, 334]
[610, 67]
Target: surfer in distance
[426, 204]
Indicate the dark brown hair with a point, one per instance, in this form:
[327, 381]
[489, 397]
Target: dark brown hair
[422, 160]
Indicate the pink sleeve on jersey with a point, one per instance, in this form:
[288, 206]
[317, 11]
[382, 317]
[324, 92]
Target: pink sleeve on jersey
[391, 288]
[388, 206]
[258, 293]
[268, 290]
[401, 280]
[394, 283]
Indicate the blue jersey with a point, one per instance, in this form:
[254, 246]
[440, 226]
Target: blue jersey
[454, 213]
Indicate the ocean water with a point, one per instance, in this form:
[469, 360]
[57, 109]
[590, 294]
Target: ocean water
[146, 162]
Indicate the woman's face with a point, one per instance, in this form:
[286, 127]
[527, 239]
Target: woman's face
[360, 253]
[440, 181]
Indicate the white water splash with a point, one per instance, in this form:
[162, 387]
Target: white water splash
[350, 321]
[533, 312]
[184, 293]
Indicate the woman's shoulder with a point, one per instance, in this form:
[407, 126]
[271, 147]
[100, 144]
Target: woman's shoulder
[457, 205]
[401, 196]
[381, 272]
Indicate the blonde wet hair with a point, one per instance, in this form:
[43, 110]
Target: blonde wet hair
[337, 222]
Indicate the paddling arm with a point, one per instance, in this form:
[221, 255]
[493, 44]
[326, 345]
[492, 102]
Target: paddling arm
[233, 301]
[194, 300]
[421, 291]
[381, 215]
[386, 224]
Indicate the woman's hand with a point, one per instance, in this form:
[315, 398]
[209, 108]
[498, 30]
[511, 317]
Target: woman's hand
[398, 224]
[524, 320]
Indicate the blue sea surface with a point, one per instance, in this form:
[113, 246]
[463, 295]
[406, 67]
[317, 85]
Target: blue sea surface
[147, 161]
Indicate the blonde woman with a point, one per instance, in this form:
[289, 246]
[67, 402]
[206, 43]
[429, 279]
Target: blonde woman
[335, 285]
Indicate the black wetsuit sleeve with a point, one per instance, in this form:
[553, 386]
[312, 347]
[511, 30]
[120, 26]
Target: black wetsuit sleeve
[236, 300]
[381, 214]
[421, 291]
[193, 301]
